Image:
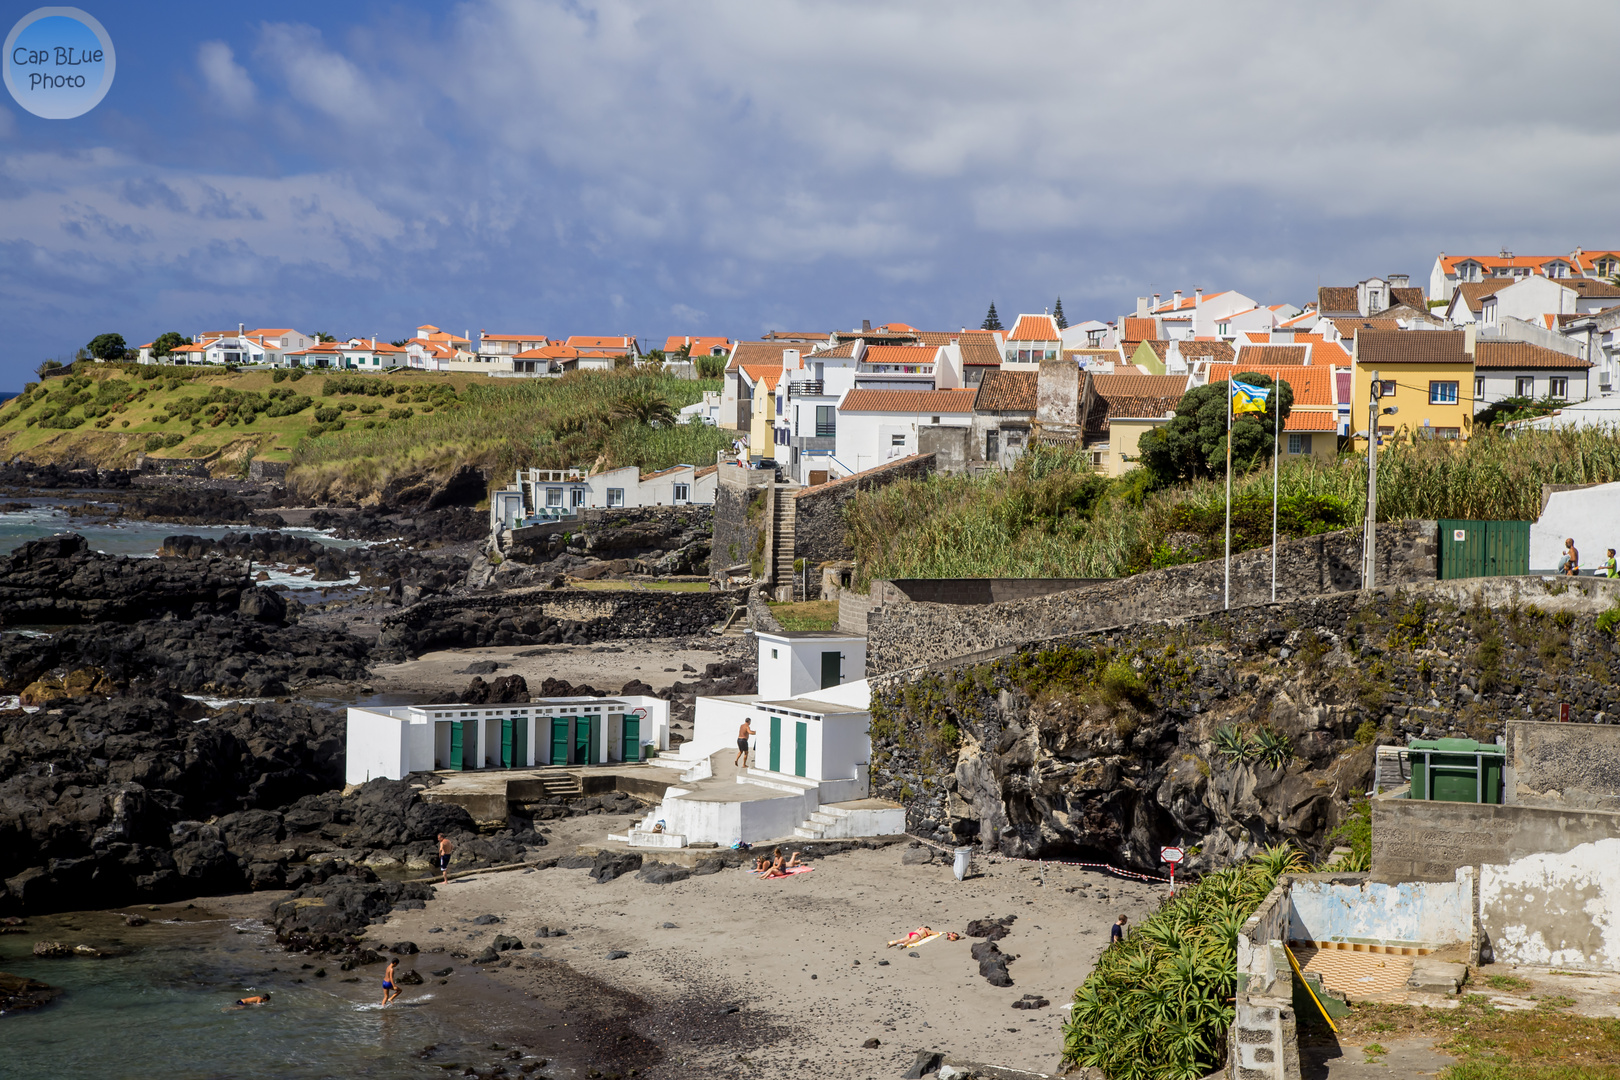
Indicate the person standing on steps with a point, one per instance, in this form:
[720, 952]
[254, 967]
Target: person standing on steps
[445, 848]
[1117, 931]
[743, 732]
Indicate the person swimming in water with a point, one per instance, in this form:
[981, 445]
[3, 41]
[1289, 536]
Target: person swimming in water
[245, 1002]
[390, 988]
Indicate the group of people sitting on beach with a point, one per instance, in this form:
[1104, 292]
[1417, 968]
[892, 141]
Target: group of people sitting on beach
[773, 865]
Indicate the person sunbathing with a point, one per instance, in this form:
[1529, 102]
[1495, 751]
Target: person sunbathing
[912, 938]
[777, 870]
[791, 863]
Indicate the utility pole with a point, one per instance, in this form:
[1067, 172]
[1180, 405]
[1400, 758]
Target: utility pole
[1369, 554]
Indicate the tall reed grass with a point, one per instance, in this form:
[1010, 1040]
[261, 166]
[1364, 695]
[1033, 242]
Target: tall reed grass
[1019, 524]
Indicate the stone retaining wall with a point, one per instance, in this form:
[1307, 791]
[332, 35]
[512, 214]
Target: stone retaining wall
[903, 635]
[1421, 840]
[819, 532]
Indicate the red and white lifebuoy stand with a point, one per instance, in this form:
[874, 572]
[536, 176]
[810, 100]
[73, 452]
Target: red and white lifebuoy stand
[1173, 856]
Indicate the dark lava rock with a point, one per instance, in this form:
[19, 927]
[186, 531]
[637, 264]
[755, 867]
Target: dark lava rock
[617, 954]
[917, 855]
[608, 865]
[263, 605]
[486, 920]
[60, 580]
[19, 993]
[51, 950]
[1031, 1001]
[503, 942]
[990, 929]
[326, 916]
[481, 667]
[404, 948]
[442, 972]
[488, 956]
[992, 963]
[871, 1044]
[663, 874]
[409, 978]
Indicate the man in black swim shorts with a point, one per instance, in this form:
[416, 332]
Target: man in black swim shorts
[445, 848]
[743, 732]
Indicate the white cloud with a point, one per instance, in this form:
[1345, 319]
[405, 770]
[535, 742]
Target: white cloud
[228, 83]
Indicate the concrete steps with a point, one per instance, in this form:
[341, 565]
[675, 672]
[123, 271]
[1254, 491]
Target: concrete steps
[783, 548]
[561, 785]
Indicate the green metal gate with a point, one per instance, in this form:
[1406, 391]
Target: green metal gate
[559, 740]
[506, 742]
[583, 741]
[776, 744]
[632, 738]
[832, 669]
[455, 747]
[801, 740]
[1470, 549]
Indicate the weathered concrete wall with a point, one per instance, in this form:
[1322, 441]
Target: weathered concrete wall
[820, 534]
[950, 445]
[1415, 840]
[906, 635]
[1263, 1041]
[1555, 909]
[1349, 908]
[1563, 765]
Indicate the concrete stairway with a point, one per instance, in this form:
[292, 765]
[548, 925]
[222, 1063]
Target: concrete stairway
[561, 785]
[782, 538]
[816, 825]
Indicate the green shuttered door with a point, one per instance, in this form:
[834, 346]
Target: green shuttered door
[506, 743]
[455, 747]
[832, 669]
[520, 742]
[801, 731]
[776, 744]
[632, 738]
[1470, 549]
[559, 740]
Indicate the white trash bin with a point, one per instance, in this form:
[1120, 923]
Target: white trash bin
[964, 858]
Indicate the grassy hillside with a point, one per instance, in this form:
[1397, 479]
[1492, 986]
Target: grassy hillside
[351, 433]
[1053, 517]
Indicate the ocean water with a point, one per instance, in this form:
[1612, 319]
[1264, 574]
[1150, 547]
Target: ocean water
[163, 1009]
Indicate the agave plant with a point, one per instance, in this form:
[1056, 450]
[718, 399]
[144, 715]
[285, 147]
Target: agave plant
[1273, 749]
[1231, 743]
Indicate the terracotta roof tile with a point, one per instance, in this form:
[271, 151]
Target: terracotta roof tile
[757, 353]
[1035, 328]
[1500, 355]
[900, 354]
[1275, 355]
[1379, 347]
[1590, 287]
[843, 349]
[908, 401]
[1145, 386]
[981, 355]
[1336, 298]
[1300, 420]
[1412, 297]
[1216, 351]
[1312, 384]
[1122, 406]
[1472, 292]
[1140, 329]
[1347, 327]
[1007, 391]
[943, 337]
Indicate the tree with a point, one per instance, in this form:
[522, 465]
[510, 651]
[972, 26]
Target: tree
[643, 407]
[1515, 408]
[1193, 443]
[44, 370]
[992, 321]
[401, 343]
[1057, 315]
[107, 346]
[324, 337]
[711, 367]
[167, 343]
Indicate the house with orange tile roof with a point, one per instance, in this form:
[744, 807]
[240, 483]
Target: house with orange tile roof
[696, 346]
[876, 427]
[1450, 271]
[1318, 412]
[1183, 317]
[1120, 409]
[1033, 338]
[1504, 369]
[369, 354]
[1426, 375]
[493, 346]
[263, 346]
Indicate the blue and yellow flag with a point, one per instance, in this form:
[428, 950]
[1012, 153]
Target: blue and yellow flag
[1248, 398]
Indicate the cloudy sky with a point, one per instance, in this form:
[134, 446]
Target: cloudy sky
[728, 168]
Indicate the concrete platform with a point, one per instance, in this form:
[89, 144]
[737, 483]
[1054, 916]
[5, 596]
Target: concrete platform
[487, 794]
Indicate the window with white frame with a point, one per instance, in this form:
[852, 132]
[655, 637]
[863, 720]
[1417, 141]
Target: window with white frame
[554, 496]
[682, 493]
[1524, 386]
[615, 496]
[1558, 386]
[1442, 393]
[897, 440]
[1479, 386]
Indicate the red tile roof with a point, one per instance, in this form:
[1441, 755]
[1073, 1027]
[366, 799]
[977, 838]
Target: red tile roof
[1312, 384]
[908, 401]
[756, 353]
[1378, 347]
[1506, 355]
[514, 337]
[1299, 420]
[1035, 328]
[1145, 386]
[1140, 329]
[899, 354]
[1007, 391]
[585, 341]
[700, 346]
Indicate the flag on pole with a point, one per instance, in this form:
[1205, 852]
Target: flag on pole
[1247, 397]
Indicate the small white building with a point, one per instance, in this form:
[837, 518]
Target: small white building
[538, 494]
[396, 741]
[808, 770]
[876, 427]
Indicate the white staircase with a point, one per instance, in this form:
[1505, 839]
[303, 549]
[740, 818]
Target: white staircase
[792, 785]
[817, 824]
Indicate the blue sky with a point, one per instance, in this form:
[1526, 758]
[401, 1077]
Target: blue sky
[728, 168]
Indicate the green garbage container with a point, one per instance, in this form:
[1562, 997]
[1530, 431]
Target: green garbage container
[1456, 770]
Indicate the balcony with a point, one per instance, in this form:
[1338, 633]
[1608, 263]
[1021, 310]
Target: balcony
[807, 388]
[918, 371]
[815, 444]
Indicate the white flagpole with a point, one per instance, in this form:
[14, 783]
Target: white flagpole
[1276, 403]
[1228, 600]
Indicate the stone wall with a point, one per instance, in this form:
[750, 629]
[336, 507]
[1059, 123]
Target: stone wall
[819, 532]
[1563, 765]
[740, 526]
[542, 616]
[1419, 840]
[1263, 1041]
[1108, 743]
[1555, 909]
[906, 635]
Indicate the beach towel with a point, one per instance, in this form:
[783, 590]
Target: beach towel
[791, 870]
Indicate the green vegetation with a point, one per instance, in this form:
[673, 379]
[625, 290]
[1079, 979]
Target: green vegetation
[1268, 747]
[1355, 830]
[1496, 1044]
[1053, 516]
[807, 615]
[1156, 1006]
[1194, 443]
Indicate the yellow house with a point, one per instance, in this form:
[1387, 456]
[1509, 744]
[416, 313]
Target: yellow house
[1131, 406]
[1427, 376]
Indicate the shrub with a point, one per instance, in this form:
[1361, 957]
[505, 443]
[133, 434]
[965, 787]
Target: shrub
[327, 413]
[278, 375]
[1366, 733]
[295, 374]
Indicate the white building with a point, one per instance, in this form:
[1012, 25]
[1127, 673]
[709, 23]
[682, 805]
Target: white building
[553, 493]
[876, 427]
[1505, 369]
[394, 742]
[810, 759]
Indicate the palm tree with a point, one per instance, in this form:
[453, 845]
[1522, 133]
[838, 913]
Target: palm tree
[643, 407]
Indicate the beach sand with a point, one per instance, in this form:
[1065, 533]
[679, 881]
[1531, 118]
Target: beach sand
[802, 957]
[606, 665]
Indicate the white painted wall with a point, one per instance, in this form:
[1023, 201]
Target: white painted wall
[1429, 913]
[790, 667]
[375, 745]
[868, 439]
[1559, 910]
[1591, 515]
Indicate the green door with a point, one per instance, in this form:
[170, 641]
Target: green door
[595, 736]
[559, 740]
[801, 741]
[632, 738]
[832, 669]
[520, 742]
[455, 747]
[506, 742]
[1470, 549]
[582, 741]
[776, 744]
[469, 744]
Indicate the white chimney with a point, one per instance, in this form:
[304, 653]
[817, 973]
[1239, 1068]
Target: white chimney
[1178, 300]
[790, 360]
[1141, 307]
[241, 331]
[1155, 301]
[1198, 297]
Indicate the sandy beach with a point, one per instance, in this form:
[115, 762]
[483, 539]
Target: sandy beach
[658, 662]
[803, 959]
